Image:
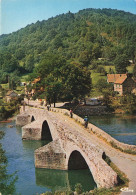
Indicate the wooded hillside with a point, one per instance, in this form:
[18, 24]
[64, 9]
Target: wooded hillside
[82, 37]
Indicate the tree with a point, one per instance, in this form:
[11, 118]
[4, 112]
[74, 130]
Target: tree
[85, 58]
[49, 71]
[7, 182]
[50, 63]
[29, 65]
[101, 70]
[10, 65]
[102, 85]
[134, 72]
[121, 63]
[53, 89]
[77, 81]
[14, 80]
[96, 51]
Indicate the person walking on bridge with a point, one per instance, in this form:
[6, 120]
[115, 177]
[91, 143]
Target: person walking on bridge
[71, 113]
[86, 121]
[48, 107]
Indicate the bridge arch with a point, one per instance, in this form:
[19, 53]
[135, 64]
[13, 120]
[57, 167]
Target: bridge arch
[32, 118]
[77, 161]
[73, 153]
[46, 133]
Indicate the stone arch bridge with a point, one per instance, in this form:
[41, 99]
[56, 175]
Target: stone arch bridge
[70, 145]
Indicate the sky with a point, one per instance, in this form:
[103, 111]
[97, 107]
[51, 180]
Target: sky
[16, 14]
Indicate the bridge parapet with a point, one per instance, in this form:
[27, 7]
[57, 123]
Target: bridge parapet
[68, 145]
[74, 141]
[99, 132]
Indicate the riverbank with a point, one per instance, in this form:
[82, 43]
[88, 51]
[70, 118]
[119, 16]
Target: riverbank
[9, 120]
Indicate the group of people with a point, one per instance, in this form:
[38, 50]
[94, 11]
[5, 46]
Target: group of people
[85, 118]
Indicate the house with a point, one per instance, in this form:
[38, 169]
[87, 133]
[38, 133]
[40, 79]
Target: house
[111, 78]
[32, 91]
[11, 95]
[123, 83]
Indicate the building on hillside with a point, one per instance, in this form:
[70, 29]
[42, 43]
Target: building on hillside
[111, 78]
[11, 95]
[31, 92]
[123, 83]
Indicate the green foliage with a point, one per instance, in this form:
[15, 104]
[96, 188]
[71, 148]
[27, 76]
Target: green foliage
[103, 86]
[114, 145]
[85, 36]
[60, 80]
[134, 72]
[14, 80]
[121, 63]
[128, 103]
[8, 109]
[101, 70]
[78, 188]
[77, 81]
[29, 63]
[7, 182]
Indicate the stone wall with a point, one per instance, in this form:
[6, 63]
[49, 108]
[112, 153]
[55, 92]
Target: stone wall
[99, 132]
[32, 131]
[23, 119]
[91, 110]
[51, 156]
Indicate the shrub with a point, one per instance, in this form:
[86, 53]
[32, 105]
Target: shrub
[78, 188]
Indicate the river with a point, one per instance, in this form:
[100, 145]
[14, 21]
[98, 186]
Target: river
[121, 127]
[31, 181]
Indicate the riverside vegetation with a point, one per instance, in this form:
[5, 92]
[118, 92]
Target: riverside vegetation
[7, 182]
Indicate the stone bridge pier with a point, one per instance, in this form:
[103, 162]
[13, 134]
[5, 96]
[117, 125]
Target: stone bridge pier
[68, 149]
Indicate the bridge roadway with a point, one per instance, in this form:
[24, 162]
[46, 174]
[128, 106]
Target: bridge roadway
[71, 137]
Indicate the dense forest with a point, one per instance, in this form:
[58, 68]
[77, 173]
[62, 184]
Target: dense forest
[85, 36]
[70, 43]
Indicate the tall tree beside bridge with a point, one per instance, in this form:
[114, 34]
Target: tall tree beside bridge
[63, 80]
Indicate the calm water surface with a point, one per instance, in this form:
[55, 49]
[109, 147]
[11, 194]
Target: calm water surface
[31, 181]
[121, 127]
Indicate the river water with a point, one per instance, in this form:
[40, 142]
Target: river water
[31, 181]
[121, 127]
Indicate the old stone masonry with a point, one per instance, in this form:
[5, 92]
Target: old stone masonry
[71, 145]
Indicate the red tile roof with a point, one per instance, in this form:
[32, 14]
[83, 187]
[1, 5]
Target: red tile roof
[112, 78]
[36, 80]
[120, 80]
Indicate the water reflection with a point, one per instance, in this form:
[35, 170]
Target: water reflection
[61, 180]
[32, 144]
[52, 179]
[121, 127]
[19, 130]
